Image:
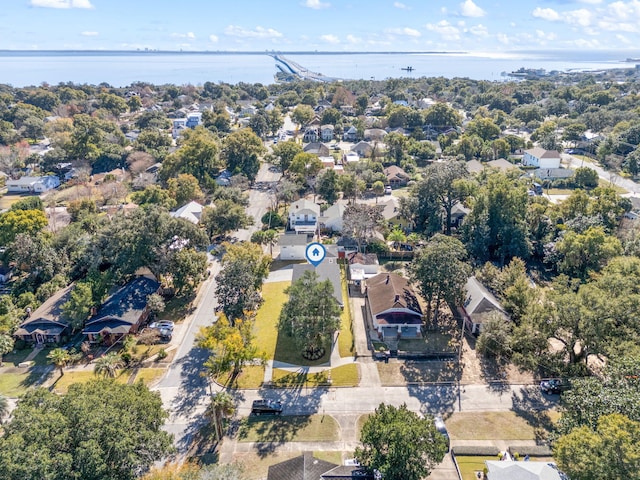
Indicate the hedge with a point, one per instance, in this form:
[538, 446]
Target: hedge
[476, 451]
[531, 450]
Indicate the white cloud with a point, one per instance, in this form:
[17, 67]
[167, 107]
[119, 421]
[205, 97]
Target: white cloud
[470, 9]
[406, 32]
[479, 31]
[445, 30]
[401, 6]
[580, 17]
[61, 3]
[503, 38]
[330, 39]
[623, 39]
[190, 35]
[89, 34]
[591, 2]
[546, 14]
[542, 35]
[353, 39]
[316, 4]
[213, 38]
[258, 32]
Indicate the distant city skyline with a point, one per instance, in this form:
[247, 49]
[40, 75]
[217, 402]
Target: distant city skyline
[495, 26]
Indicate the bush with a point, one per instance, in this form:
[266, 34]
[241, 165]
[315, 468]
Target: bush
[531, 450]
[272, 219]
[19, 344]
[162, 354]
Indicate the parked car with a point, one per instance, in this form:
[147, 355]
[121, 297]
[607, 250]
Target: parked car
[164, 327]
[553, 386]
[440, 427]
[387, 190]
[266, 407]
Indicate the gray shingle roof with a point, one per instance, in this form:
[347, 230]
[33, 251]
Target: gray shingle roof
[303, 467]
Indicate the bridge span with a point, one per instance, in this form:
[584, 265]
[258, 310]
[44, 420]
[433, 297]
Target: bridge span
[297, 70]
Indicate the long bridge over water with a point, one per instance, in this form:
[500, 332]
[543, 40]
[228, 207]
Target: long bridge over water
[290, 67]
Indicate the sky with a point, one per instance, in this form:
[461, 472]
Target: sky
[323, 25]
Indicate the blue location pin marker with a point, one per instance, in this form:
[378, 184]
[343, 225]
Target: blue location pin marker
[315, 253]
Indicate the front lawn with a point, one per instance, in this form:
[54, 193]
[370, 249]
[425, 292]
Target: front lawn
[343, 376]
[251, 376]
[266, 324]
[469, 465]
[314, 428]
[432, 342]
[61, 384]
[149, 376]
[491, 426]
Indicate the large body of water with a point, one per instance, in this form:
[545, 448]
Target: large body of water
[121, 69]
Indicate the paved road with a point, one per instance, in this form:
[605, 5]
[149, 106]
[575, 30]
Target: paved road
[626, 183]
[183, 389]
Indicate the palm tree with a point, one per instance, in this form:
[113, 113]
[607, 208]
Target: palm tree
[270, 238]
[221, 406]
[6, 345]
[59, 357]
[396, 236]
[108, 365]
[4, 407]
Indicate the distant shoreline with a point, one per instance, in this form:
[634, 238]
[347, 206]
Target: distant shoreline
[34, 53]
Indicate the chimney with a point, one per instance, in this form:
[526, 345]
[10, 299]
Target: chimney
[94, 310]
[397, 298]
[387, 280]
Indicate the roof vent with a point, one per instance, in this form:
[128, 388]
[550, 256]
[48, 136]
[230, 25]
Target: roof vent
[387, 280]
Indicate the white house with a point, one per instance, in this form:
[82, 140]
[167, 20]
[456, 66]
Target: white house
[33, 184]
[362, 266]
[350, 157]
[179, 124]
[331, 219]
[303, 216]
[194, 119]
[326, 132]
[292, 247]
[510, 469]
[192, 212]
[541, 158]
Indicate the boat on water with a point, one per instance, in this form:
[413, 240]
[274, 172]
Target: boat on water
[407, 69]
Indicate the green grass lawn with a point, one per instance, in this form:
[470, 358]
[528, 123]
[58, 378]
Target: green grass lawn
[346, 343]
[343, 376]
[469, 465]
[61, 384]
[490, 426]
[251, 376]
[15, 381]
[314, 428]
[605, 183]
[150, 376]
[266, 324]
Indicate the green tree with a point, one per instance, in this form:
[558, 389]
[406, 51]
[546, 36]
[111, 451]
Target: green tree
[221, 407]
[113, 103]
[241, 151]
[59, 357]
[611, 451]
[226, 216]
[495, 339]
[360, 222]
[71, 438]
[184, 188]
[77, 308]
[483, 128]
[586, 177]
[108, 365]
[197, 155]
[378, 188]
[400, 444]
[440, 271]
[311, 315]
[154, 195]
[585, 252]
[302, 115]
[4, 407]
[14, 222]
[244, 269]
[28, 203]
[265, 237]
[285, 152]
[397, 236]
[6, 345]
[441, 116]
[187, 269]
[327, 186]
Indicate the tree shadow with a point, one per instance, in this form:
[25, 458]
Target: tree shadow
[435, 398]
[533, 406]
[298, 404]
[193, 385]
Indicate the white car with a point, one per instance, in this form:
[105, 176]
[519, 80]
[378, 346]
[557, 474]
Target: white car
[387, 190]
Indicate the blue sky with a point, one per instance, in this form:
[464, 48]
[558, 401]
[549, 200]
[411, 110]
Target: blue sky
[358, 25]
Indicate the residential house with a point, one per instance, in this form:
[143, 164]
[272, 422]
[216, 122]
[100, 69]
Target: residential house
[33, 184]
[391, 213]
[307, 467]
[46, 324]
[122, 313]
[319, 149]
[541, 158]
[351, 134]
[478, 306]
[392, 306]
[374, 134]
[328, 162]
[293, 247]
[311, 134]
[331, 218]
[363, 149]
[179, 124]
[194, 119]
[326, 132]
[303, 216]
[474, 166]
[362, 266]
[224, 178]
[502, 164]
[248, 111]
[510, 469]
[191, 212]
[426, 102]
[350, 157]
[327, 270]
[396, 176]
[458, 214]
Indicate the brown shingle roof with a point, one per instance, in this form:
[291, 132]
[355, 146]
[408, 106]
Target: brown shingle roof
[388, 290]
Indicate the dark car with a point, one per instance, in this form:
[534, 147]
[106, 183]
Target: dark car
[266, 407]
[553, 386]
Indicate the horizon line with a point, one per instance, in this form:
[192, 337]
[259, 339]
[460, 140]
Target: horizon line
[238, 52]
